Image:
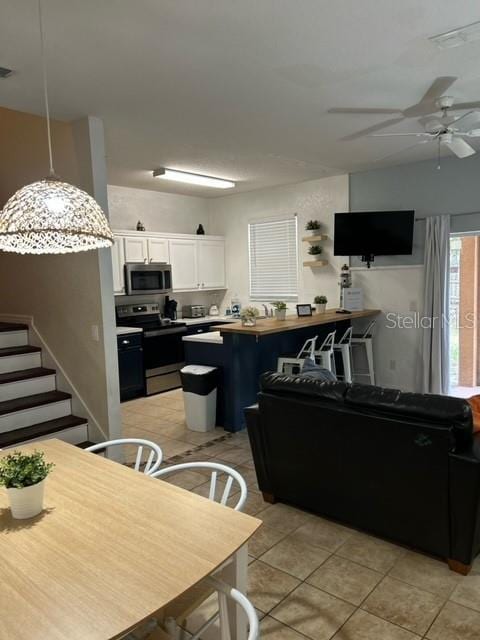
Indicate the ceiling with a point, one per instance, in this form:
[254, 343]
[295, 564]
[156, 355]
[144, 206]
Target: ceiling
[234, 89]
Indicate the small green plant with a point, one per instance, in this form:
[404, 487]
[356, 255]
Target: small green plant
[279, 305]
[249, 312]
[315, 250]
[312, 225]
[320, 300]
[19, 470]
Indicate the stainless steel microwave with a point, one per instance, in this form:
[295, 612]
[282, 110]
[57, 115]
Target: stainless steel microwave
[143, 278]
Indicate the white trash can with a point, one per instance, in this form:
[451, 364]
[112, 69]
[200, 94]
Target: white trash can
[199, 384]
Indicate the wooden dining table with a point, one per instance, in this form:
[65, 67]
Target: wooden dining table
[111, 547]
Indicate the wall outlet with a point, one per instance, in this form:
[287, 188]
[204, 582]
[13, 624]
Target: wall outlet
[393, 365]
[95, 333]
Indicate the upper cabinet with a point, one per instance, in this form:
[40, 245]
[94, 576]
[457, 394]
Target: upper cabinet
[198, 262]
[211, 263]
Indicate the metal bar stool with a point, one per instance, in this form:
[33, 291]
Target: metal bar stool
[344, 348]
[365, 340]
[293, 364]
[325, 356]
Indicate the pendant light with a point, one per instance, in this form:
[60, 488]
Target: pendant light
[51, 216]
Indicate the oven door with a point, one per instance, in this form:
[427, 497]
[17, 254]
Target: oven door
[163, 358]
[148, 278]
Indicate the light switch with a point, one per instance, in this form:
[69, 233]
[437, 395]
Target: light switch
[95, 333]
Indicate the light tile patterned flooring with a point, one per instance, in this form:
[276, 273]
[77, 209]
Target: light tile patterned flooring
[309, 577]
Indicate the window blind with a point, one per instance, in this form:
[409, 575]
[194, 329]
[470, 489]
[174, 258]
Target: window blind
[273, 259]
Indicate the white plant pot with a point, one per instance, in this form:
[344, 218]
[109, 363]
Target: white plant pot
[26, 502]
[317, 256]
[314, 232]
[248, 321]
[280, 314]
[321, 307]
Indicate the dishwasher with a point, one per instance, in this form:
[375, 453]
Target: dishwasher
[130, 366]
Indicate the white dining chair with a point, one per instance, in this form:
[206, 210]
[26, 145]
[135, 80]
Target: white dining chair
[324, 355]
[153, 461]
[365, 340]
[291, 364]
[179, 610]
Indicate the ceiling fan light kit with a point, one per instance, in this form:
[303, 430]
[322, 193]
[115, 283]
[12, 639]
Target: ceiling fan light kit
[51, 216]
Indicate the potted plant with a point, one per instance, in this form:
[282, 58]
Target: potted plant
[315, 251]
[249, 316]
[280, 309]
[320, 303]
[313, 226]
[23, 475]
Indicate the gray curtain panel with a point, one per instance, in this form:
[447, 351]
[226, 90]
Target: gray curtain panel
[435, 344]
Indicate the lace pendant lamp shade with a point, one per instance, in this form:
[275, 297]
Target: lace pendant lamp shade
[50, 216]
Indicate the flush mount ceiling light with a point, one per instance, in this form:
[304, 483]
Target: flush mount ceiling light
[457, 37]
[193, 178]
[51, 216]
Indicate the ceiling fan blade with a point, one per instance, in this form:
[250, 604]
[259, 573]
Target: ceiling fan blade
[466, 105]
[423, 134]
[360, 110]
[372, 129]
[460, 148]
[395, 153]
[469, 120]
[438, 88]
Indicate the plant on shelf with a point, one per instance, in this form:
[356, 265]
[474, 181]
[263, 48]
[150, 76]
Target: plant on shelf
[315, 251]
[23, 475]
[320, 303]
[249, 316]
[313, 226]
[280, 309]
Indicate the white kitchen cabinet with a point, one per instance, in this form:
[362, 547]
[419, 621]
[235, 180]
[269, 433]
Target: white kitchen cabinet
[183, 258]
[211, 264]
[158, 250]
[118, 262]
[136, 249]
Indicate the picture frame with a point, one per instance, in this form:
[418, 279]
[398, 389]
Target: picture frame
[304, 310]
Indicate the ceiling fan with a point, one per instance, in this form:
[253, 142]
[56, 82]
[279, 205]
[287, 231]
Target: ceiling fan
[428, 104]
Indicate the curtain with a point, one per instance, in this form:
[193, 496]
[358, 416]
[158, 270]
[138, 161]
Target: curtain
[435, 344]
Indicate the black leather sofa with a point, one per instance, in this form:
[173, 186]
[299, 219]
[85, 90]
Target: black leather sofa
[403, 466]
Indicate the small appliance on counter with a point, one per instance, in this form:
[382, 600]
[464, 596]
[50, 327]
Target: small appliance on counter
[170, 309]
[236, 307]
[213, 311]
[194, 311]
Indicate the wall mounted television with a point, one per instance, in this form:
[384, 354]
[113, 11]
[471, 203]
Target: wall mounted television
[373, 233]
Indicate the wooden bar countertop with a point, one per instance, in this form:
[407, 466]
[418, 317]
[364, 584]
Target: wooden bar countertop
[267, 326]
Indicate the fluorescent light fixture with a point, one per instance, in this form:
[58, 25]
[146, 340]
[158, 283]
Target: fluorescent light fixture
[193, 178]
[457, 37]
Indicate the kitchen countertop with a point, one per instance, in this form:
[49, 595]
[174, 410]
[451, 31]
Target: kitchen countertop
[272, 325]
[206, 319]
[212, 337]
[123, 331]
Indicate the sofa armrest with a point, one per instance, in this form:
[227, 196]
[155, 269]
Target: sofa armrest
[465, 504]
[256, 436]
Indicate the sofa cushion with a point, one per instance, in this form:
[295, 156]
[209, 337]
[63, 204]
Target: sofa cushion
[313, 370]
[284, 384]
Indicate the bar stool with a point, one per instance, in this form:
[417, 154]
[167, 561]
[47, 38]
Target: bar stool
[288, 364]
[365, 340]
[344, 348]
[325, 356]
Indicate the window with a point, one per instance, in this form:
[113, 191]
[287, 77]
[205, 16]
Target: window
[273, 259]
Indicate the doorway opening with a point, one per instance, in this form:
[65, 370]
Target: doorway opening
[464, 309]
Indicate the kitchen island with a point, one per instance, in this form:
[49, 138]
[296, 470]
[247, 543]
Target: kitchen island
[244, 353]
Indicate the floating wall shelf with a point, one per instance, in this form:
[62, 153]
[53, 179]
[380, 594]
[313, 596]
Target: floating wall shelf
[315, 263]
[316, 238]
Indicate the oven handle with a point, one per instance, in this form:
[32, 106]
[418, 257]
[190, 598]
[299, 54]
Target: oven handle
[165, 332]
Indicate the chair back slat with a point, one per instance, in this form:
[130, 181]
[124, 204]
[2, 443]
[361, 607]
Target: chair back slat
[226, 491]
[149, 462]
[213, 486]
[138, 460]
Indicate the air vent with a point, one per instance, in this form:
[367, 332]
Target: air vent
[4, 72]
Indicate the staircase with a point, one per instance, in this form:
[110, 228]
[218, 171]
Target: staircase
[31, 408]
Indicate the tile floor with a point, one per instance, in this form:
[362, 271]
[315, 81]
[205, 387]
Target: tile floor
[309, 577]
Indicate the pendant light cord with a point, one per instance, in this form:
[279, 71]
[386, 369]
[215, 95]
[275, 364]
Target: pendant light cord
[45, 87]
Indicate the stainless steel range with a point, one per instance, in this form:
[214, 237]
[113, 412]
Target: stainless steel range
[162, 345]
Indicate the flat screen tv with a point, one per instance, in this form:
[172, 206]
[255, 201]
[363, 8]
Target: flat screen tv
[373, 233]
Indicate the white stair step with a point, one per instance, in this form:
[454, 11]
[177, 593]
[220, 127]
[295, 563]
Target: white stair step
[27, 386]
[19, 361]
[13, 338]
[25, 412]
[73, 435]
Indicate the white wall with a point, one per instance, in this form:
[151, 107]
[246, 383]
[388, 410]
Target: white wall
[315, 199]
[167, 212]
